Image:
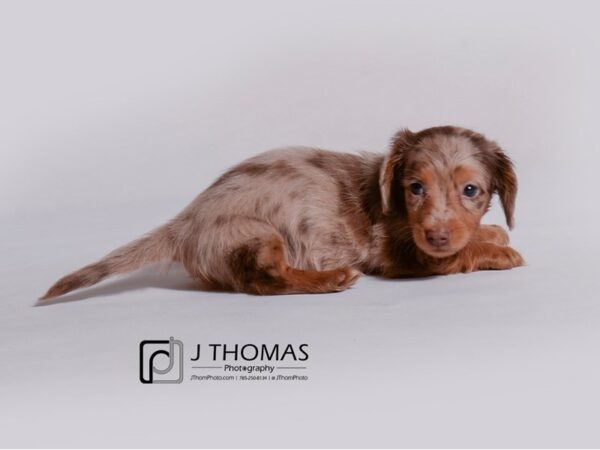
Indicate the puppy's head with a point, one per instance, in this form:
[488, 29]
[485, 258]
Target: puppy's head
[442, 179]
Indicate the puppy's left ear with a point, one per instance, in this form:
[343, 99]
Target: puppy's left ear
[504, 181]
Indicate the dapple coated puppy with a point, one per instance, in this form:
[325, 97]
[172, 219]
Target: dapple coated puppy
[305, 220]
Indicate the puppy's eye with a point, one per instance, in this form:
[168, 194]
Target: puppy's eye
[417, 188]
[470, 190]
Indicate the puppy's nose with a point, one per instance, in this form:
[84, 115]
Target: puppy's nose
[437, 238]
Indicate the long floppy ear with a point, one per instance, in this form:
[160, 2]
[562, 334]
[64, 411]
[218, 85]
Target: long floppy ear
[390, 167]
[504, 181]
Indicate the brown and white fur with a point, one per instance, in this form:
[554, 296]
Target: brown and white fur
[303, 220]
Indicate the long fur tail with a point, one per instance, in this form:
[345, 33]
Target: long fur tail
[154, 247]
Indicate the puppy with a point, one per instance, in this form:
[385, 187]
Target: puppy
[303, 220]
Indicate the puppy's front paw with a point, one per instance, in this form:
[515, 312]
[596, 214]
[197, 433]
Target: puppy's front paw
[502, 258]
[494, 234]
[344, 278]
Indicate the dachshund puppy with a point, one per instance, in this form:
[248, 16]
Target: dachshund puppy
[303, 220]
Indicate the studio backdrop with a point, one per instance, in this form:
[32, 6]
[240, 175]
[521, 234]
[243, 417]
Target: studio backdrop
[115, 115]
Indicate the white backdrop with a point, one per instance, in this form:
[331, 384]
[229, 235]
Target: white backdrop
[114, 115]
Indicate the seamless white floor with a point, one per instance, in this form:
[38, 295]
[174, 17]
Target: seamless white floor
[114, 117]
[490, 358]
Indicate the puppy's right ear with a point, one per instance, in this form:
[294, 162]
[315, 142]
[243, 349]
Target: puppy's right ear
[390, 170]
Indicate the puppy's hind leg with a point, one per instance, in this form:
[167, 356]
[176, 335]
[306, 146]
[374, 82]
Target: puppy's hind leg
[248, 255]
[258, 266]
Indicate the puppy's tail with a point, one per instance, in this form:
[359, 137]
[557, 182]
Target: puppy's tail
[154, 247]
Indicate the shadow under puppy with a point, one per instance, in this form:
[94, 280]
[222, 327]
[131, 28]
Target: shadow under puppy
[303, 220]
